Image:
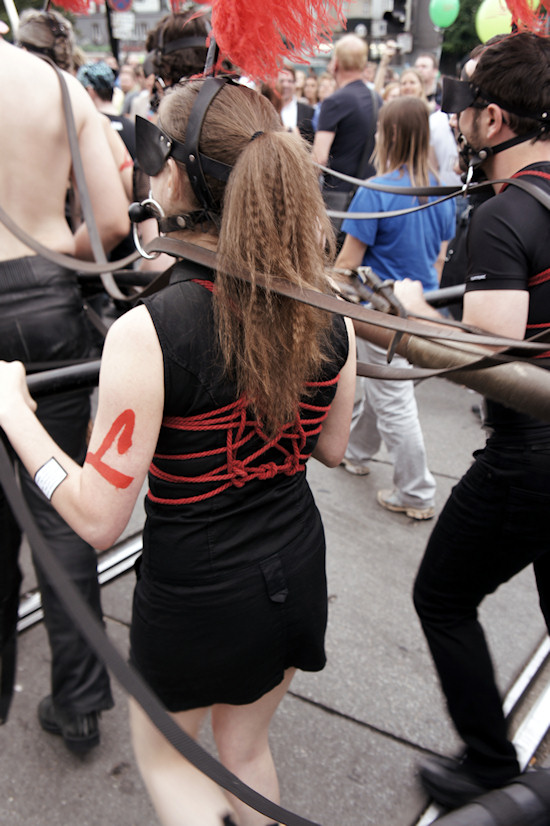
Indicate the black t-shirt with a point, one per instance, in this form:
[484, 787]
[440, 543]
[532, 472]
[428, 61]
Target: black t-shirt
[508, 250]
[348, 113]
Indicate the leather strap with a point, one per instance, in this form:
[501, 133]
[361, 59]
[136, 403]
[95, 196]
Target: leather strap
[67, 261]
[332, 304]
[504, 808]
[445, 192]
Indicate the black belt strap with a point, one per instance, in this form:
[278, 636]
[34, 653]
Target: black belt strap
[129, 678]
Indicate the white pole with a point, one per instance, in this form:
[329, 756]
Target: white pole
[13, 16]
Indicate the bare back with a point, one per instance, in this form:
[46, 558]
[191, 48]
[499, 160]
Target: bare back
[36, 167]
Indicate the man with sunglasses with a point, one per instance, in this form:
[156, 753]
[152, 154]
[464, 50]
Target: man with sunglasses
[495, 522]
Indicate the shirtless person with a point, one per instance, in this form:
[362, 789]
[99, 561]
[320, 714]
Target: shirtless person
[41, 320]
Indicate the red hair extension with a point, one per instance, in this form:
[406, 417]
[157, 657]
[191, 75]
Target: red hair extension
[525, 14]
[257, 36]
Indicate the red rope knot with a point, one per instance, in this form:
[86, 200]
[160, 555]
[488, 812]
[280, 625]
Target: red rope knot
[292, 465]
[239, 473]
[267, 471]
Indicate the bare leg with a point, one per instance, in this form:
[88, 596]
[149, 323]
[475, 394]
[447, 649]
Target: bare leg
[181, 794]
[241, 734]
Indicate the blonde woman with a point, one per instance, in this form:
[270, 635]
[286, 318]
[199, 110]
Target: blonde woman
[410, 83]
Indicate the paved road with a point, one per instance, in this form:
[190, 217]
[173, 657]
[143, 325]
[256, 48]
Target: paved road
[347, 740]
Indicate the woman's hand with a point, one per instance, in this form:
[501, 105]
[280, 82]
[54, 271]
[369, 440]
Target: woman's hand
[13, 388]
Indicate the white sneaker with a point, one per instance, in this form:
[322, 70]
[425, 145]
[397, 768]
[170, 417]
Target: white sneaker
[353, 467]
[389, 500]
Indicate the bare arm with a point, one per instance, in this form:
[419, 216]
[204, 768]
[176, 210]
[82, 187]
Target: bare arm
[333, 440]
[97, 499]
[502, 312]
[321, 147]
[388, 54]
[351, 255]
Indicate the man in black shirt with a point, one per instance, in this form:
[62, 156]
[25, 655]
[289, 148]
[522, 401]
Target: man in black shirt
[495, 522]
[347, 122]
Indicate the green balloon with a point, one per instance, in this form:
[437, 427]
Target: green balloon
[443, 12]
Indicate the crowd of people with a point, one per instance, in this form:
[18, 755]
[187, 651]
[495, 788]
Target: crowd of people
[225, 393]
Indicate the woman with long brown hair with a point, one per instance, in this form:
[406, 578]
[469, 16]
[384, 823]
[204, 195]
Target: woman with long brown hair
[222, 390]
[395, 247]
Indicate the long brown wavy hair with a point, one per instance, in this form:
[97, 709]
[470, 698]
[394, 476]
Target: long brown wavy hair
[273, 223]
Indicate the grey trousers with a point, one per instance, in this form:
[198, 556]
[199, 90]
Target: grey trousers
[387, 411]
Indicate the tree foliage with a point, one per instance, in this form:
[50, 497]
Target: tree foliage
[460, 38]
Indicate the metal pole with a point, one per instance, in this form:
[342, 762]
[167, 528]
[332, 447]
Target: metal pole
[112, 39]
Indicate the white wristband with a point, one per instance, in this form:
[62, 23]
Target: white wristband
[49, 477]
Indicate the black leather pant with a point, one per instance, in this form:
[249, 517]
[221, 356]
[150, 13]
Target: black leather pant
[41, 320]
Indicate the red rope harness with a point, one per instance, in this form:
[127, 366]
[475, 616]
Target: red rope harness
[290, 442]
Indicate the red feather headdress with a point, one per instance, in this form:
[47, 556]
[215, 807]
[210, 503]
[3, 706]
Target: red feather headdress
[257, 37]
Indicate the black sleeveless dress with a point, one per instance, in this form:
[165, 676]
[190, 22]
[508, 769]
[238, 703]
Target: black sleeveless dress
[231, 589]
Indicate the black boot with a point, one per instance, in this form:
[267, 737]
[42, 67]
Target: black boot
[80, 732]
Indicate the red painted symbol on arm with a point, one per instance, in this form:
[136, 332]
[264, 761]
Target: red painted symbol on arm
[123, 425]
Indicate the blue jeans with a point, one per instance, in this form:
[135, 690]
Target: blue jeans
[494, 524]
